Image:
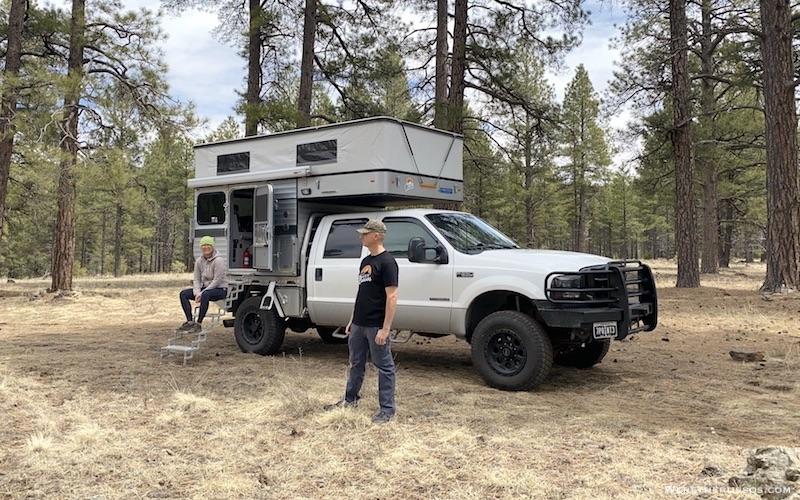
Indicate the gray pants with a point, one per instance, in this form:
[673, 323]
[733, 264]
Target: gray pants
[360, 342]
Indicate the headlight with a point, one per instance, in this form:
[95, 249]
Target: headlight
[567, 281]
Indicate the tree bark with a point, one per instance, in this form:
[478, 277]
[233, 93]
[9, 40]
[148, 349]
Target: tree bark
[440, 119]
[253, 93]
[685, 235]
[456, 98]
[707, 153]
[527, 184]
[103, 243]
[783, 190]
[307, 65]
[64, 238]
[8, 105]
[118, 214]
[726, 234]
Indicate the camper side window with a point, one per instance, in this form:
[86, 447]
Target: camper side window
[211, 208]
[343, 241]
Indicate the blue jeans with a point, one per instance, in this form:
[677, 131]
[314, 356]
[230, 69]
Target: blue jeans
[206, 295]
[360, 342]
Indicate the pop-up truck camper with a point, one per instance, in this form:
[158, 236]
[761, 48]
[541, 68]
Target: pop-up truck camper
[284, 209]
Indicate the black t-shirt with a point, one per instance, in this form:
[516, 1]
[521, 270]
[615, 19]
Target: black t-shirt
[375, 274]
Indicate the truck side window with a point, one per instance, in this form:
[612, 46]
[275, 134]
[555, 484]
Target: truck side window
[211, 208]
[343, 241]
[400, 231]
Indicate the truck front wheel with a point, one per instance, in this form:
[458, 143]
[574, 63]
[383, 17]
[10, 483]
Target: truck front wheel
[511, 351]
[257, 330]
[586, 356]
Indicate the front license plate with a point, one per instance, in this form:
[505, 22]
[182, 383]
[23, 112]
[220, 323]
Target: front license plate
[605, 330]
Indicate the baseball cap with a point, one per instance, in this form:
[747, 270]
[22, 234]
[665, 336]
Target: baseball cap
[372, 226]
[207, 240]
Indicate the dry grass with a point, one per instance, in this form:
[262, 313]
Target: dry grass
[87, 410]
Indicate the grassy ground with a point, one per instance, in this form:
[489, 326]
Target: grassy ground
[87, 409]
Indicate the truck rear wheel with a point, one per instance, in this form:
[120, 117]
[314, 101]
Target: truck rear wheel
[586, 356]
[511, 351]
[257, 330]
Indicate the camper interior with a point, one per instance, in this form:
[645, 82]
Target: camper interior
[241, 228]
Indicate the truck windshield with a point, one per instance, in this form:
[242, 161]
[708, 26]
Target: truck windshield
[469, 234]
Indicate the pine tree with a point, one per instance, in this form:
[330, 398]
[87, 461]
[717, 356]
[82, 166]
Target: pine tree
[584, 146]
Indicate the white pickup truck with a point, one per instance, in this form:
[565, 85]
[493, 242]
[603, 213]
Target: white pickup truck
[520, 309]
[284, 208]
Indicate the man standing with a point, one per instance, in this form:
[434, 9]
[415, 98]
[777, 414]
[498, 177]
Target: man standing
[368, 329]
[209, 284]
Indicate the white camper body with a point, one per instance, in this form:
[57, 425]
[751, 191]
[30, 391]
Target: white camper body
[256, 194]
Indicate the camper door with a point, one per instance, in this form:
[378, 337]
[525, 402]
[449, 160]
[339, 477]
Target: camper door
[211, 207]
[262, 228]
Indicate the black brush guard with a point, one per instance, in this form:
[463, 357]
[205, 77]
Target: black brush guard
[622, 291]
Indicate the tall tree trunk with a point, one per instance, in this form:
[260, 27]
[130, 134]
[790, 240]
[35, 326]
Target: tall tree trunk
[253, 93]
[530, 240]
[783, 190]
[685, 235]
[456, 98]
[307, 64]
[707, 153]
[103, 242]
[118, 213]
[726, 234]
[8, 105]
[440, 119]
[64, 238]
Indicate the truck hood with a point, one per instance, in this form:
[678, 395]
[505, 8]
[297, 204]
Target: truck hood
[539, 261]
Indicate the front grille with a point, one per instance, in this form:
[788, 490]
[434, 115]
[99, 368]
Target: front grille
[627, 285]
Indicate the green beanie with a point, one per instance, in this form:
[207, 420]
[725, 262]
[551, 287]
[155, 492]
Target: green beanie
[207, 240]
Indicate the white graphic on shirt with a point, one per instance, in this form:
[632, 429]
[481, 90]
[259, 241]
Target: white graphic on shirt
[365, 275]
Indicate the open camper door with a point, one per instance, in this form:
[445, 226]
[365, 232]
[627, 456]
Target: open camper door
[262, 228]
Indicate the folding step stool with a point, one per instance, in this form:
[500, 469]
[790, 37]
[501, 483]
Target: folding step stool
[175, 345]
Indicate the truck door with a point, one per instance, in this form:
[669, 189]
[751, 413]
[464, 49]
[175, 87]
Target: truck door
[333, 272]
[425, 288]
[262, 228]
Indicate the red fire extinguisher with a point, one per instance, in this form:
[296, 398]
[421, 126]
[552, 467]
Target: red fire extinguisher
[246, 256]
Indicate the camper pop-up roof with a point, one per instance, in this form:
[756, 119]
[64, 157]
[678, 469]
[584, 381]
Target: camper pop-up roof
[376, 161]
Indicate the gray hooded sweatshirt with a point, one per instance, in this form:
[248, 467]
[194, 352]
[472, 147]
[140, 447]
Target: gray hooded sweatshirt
[209, 273]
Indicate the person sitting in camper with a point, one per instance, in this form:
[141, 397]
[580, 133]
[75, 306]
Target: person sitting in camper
[209, 284]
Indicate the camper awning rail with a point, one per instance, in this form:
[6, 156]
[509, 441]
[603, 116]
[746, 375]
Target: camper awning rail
[285, 173]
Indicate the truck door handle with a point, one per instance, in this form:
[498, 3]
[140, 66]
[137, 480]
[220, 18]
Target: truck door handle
[318, 274]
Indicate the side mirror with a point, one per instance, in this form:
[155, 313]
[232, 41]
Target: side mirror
[417, 252]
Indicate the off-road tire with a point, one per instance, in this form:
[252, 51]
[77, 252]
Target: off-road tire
[256, 330]
[326, 334]
[511, 351]
[585, 357]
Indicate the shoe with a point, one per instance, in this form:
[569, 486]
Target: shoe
[194, 327]
[341, 404]
[382, 417]
[185, 326]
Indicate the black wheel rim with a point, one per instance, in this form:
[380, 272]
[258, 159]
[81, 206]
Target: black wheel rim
[506, 353]
[253, 328]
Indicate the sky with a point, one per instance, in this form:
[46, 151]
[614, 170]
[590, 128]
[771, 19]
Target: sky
[208, 72]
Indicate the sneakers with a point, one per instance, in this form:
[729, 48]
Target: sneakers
[341, 404]
[382, 417]
[185, 326]
[190, 327]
